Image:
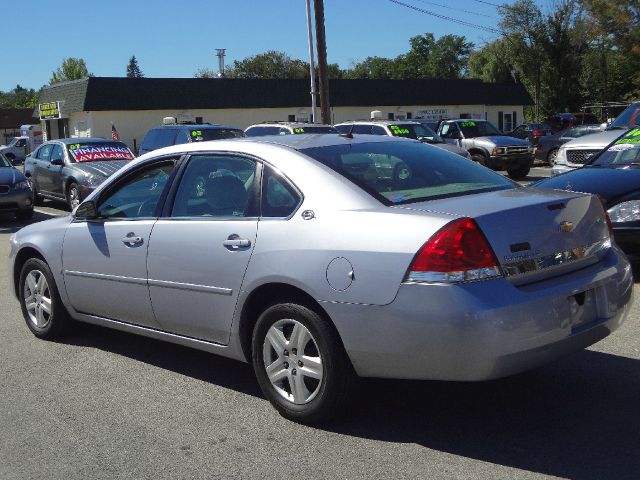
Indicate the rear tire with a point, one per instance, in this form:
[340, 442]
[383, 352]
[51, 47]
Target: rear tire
[40, 301]
[301, 365]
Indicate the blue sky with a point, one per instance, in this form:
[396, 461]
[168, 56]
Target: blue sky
[176, 38]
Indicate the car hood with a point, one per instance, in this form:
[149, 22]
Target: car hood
[103, 169]
[609, 183]
[10, 176]
[594, 140]
[502, 141]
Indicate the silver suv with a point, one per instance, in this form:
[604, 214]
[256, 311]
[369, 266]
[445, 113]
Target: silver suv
[401, 128]
[488, 146]
[576, 153]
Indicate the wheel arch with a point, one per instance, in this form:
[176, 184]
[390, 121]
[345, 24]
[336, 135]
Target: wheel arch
[478, 151]
[21, 257]
[270, 294]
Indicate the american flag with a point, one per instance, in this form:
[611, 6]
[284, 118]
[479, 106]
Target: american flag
[115, 136]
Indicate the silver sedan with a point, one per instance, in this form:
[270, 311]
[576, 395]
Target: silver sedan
[302, 255]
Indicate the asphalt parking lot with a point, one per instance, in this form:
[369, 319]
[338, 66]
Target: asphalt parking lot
[105, 404]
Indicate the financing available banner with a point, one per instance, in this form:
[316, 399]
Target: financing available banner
[89, 153]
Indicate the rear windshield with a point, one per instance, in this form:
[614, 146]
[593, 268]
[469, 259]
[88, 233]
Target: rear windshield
[315, 129]
[405, 172]
[97, 151]
[414, 130]
[202, 135]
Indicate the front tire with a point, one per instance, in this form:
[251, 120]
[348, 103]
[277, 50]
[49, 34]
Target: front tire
[551, 158]
[73, 195]
[25, 214]
[479, 158]
[519, 173]
[300, 364]
[41, 306]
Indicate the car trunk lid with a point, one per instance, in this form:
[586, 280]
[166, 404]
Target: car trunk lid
[535, 234]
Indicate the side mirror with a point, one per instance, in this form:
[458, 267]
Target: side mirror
[86, 211]
[57, 161]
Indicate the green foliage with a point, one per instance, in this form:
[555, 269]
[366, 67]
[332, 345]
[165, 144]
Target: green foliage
[71, 69]
[271, 64]
[133, 69]
[19, 97]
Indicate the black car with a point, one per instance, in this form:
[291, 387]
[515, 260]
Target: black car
[547, 147]
[560, 121]
[15, 191]
[531, 131]
[613, 175]
[175, 134]
[70, 168]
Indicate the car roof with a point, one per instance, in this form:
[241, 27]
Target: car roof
[199, 126]
[377, 122]
[288, 124]
[71, 141]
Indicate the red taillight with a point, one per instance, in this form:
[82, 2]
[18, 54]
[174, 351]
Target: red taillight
[538, 133]
[458, 246]
[609, 224]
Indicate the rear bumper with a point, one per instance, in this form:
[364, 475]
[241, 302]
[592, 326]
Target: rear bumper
[484, 330]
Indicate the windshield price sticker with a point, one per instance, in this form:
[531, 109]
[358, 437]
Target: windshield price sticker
[632, 137]
[197, 135]
[396, 130]
[88, 153]
[467, 124]
[298, 130]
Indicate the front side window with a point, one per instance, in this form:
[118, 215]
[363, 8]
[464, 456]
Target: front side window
[138, 196]
[216, 186]
[407, 172]
[44, 152]
[57, 153]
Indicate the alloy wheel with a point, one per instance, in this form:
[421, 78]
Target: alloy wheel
[37, 299]
[292, 361]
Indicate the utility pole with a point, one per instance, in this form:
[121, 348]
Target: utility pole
[312, 67]
[323, 71]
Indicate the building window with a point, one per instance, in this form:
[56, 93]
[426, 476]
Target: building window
[391, 116]
[292, 118]
[507, 123]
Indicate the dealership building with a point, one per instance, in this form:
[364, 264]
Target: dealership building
[88, 107]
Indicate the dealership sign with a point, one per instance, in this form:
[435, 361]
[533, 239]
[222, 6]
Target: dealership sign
[49, 110]
[432, 114]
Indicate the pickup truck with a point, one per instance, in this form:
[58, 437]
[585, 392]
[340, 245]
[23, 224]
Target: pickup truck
[488, 146]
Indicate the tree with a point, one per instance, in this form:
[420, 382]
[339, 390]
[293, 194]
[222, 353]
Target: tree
[71, 69]
[19, 97]
[207, 73]
[133, 70]
[271, 64]
[373, 68]
[490, 64]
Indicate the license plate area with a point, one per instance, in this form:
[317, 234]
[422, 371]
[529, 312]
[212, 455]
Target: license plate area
[584, 310]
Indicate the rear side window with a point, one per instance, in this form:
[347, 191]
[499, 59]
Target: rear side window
[279, 198]
[407, 172]
[202, 135]
[158, 138]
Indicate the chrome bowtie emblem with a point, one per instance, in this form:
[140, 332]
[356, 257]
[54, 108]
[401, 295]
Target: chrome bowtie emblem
[566, 227]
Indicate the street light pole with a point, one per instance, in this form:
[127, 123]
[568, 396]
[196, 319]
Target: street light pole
[323, 71]
[312, 65]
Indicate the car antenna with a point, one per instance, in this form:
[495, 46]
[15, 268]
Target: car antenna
[349, 134]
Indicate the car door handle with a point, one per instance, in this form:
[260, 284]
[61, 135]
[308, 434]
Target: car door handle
[234, 241]
[132, 238]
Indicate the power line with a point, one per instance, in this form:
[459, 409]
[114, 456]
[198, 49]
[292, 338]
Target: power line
[444, 17]
[457, 9]
[488, 3]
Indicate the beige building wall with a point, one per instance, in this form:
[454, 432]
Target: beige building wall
[133, 125]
